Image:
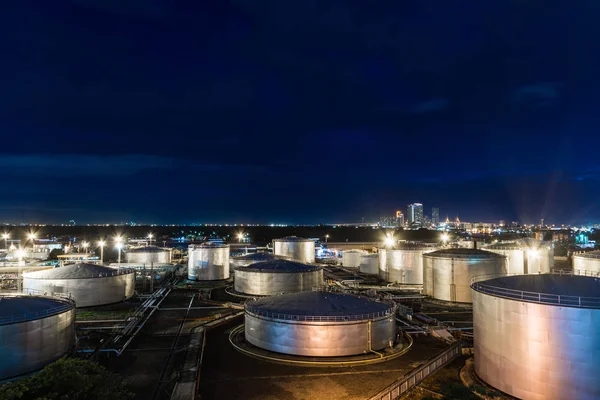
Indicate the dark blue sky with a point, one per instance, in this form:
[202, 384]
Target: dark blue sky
[298, 111]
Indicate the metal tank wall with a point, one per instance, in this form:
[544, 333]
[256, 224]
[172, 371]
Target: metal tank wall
[88, 292]
[369, 264]
[536, 351]
[540, 260]
[515, 257]
[351, 258]
[31, 345]
[587, 262]
[402, 265]
[148, 257]
[208, 263]
[449, 278]
[319, 339]
[265, 283]
[301, 250]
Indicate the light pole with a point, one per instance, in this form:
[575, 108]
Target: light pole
[326, 237]
[5, 236]
[119, 241]
[20, 253]
[101, 244]
[240, 237]
[32, 238]
[150, 236]
[85, 246]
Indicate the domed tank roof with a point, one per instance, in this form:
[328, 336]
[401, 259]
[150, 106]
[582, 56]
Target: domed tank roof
[413, 246]
[26, 308]
[464, 253]
[292, 239]
[256, 257]
[147, 249]
[76, 271]
[589, 254]
[504, 246]
[279, 266]
[319, 303]
[207, 245]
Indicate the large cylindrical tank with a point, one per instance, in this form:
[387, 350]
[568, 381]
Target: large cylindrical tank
[148, 255]
[369, 264]
[35, 331]
[536, 336]
[448, 273]
[249, 259]
[295, 249]
[403, 264]
[514, 253]
[320, 324]
[351, 258]
[277, 277]
[88, 284]
[540, 258]
[526, 257]
[587, 263]
[208, 262]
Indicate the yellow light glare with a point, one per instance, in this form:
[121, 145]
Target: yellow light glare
[389, 241]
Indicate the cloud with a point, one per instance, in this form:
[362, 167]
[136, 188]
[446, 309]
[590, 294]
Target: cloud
[539, 94]
[430, 105]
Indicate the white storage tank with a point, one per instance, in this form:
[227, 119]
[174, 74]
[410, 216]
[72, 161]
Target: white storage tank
[208, 261]
[369, 264]
[249, 259]
[35, 330]
[88, 284]
[536, 336]
[148, 255]
[277, 277]
[404, 263]
[320, 324]
[587, 263]
[515, 255]
[351, 258]
[448, 273]
[295, 249]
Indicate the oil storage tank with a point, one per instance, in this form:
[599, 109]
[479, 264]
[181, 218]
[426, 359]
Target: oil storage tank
[587, 263]
[295, 249]
[320, 324]
[351, 258]
[249, 259]
[88, 284]
[536, 336]
[369, 264]
[35, 331]
[403, 264]
[277, 277]
[148, 255]
[515, 256]
[448, 272]
[208, 262]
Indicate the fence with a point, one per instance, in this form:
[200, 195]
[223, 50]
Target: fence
[416, 376]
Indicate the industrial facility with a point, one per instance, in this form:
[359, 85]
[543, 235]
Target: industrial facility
[249, 259]
[404, 263]
[148, 255]
[448, 273]
[208, 262]
[277, 277]
[536, 336]
[351, 258]
[369, 264]
[35, 331]
[295, 249]
[525, 257]
[87, 284]
[587, 263]
[320, 324]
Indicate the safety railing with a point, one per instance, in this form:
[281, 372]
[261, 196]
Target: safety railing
[416, 376]
[116, 272]
[325, 318]
[478, 283]
[65, 305]
[588, 254]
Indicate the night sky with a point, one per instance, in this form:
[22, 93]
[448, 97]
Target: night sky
[299, 111]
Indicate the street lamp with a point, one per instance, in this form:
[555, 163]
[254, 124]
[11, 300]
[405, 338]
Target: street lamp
[326, 237]
[85, 246]
[119, 246]
[150, 236]
[101, 244]
[240, 236]
[20, 254]
[5, 236]
[389, 240]
[31, 237]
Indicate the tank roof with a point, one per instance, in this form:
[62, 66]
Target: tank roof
[589, 254]
[279, 266]
[256, 257]
[77, 271]
[292, 239]
[464, 253]
[357, 251]
[412, 246]
[207, 245]
[147, 249]
[545, 288]
[505, 246]
[26, 308]
[371, 255]
[319, 303]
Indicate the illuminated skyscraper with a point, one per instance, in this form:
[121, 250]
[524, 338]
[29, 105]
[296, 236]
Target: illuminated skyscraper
[415, 214]
[435, 216]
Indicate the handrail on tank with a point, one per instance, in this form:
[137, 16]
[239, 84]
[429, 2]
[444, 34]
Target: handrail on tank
[537, 297]
[324, 318]
[70, 303]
